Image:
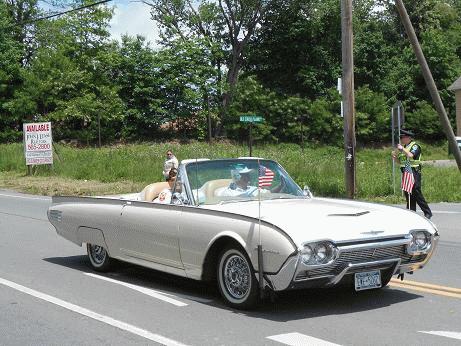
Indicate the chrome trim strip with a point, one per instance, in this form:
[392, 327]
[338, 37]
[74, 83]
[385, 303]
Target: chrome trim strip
[342, 249]
[367, 240]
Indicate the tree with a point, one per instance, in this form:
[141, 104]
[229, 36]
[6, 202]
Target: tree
[298, 49]
[225, 26]
[10, 67]
[66, 82]
[22, 13]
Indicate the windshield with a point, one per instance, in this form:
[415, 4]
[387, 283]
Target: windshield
[222, 181]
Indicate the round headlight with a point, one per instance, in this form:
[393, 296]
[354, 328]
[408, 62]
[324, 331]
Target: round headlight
[321, 253]
[421, 240]
[306, 254]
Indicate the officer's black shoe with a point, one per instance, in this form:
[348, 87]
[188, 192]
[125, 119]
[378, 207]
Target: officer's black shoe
[428, 216]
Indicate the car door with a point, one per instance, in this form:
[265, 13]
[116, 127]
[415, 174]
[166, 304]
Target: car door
[149, 233]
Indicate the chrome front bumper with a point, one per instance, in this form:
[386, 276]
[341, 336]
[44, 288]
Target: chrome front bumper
[389, 255]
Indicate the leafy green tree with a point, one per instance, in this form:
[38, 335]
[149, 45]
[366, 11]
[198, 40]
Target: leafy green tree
[134, 69]
[10, 67]
[286, 117]
[298, 49]
[186, 79]
[225, 27]
[425, 121]
[66, 81]
[372, 116]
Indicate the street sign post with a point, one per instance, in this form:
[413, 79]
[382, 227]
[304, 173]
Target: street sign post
[251, 118]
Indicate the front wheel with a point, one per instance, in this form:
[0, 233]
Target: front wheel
[236, 279]
[99, 258]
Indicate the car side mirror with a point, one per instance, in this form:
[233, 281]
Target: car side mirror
[307, 192]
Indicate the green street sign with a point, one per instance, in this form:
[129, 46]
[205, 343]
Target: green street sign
[251, 119]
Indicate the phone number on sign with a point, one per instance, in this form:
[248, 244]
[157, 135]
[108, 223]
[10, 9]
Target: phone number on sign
[44, 146]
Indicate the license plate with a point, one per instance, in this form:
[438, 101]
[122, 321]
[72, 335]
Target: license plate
[367, 280]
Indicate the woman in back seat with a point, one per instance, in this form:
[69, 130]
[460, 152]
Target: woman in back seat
[165, 195]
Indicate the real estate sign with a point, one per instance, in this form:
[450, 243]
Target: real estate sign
[38, 144]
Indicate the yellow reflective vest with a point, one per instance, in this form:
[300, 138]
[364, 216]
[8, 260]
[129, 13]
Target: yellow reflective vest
[403, 157]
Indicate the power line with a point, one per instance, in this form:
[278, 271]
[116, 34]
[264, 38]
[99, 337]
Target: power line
[65, 12]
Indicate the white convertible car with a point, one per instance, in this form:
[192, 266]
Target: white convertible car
[247, 225]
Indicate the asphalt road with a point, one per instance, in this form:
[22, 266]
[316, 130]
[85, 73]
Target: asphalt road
[49, 296]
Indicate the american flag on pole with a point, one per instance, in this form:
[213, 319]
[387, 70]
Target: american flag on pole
[265, 176]
[408, 179]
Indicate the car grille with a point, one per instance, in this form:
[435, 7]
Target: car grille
[361, 256]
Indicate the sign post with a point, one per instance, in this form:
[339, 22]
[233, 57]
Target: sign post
[38, 144]
[250, 118]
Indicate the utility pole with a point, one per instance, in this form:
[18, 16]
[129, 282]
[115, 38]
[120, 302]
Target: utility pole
[348, 95]
[429, 81]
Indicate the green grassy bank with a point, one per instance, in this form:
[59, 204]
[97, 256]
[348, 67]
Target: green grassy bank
[128, 168]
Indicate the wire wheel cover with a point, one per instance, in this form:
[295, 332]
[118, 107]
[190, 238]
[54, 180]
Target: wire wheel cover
[98, 253]
[237, 276]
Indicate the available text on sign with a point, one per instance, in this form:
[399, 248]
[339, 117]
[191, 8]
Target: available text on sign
[38, 141]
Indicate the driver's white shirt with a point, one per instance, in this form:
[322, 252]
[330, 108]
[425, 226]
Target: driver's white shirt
[237, 191]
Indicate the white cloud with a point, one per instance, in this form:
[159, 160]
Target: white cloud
[133, 18]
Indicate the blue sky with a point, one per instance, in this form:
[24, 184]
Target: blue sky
[130, 17]
[133, 18]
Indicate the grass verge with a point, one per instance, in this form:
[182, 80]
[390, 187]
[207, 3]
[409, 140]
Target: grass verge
[128, 168]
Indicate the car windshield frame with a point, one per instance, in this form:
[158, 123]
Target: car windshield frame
[212, 182]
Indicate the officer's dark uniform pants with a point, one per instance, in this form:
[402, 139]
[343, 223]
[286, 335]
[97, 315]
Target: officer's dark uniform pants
[417, 195]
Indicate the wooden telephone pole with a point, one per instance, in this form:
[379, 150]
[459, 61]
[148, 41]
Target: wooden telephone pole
[429, 81]
[348, 95]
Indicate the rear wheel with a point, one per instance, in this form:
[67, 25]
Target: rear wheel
[99, 258]
[236, 279]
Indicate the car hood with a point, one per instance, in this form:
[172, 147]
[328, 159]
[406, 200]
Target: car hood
[338, 220]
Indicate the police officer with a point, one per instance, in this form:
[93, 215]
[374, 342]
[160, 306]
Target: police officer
[409, 150]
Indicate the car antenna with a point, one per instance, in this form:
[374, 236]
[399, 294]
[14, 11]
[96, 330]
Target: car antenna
[260, 247]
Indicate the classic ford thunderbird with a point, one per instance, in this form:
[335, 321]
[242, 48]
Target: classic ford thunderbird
[245, 224]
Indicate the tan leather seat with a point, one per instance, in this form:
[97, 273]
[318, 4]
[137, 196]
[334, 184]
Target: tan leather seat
[211, 186]
[151, 191]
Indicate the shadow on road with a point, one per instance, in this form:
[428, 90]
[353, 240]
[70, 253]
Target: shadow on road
[287, 306]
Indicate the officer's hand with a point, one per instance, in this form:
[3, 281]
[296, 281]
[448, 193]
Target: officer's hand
[399, 146]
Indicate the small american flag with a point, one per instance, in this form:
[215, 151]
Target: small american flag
[408, 179]
[265, 176]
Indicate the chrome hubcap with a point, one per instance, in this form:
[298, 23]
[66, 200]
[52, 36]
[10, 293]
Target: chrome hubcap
[237, 276]
[98, 253]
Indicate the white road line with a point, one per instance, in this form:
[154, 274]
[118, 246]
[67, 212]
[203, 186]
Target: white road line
[445, 212]
[452, 335]
[148, 291]
[13, 196]
[186, 296]
[94, 315]
[298, 339]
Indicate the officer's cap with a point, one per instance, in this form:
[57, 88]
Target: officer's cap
[408, 133]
